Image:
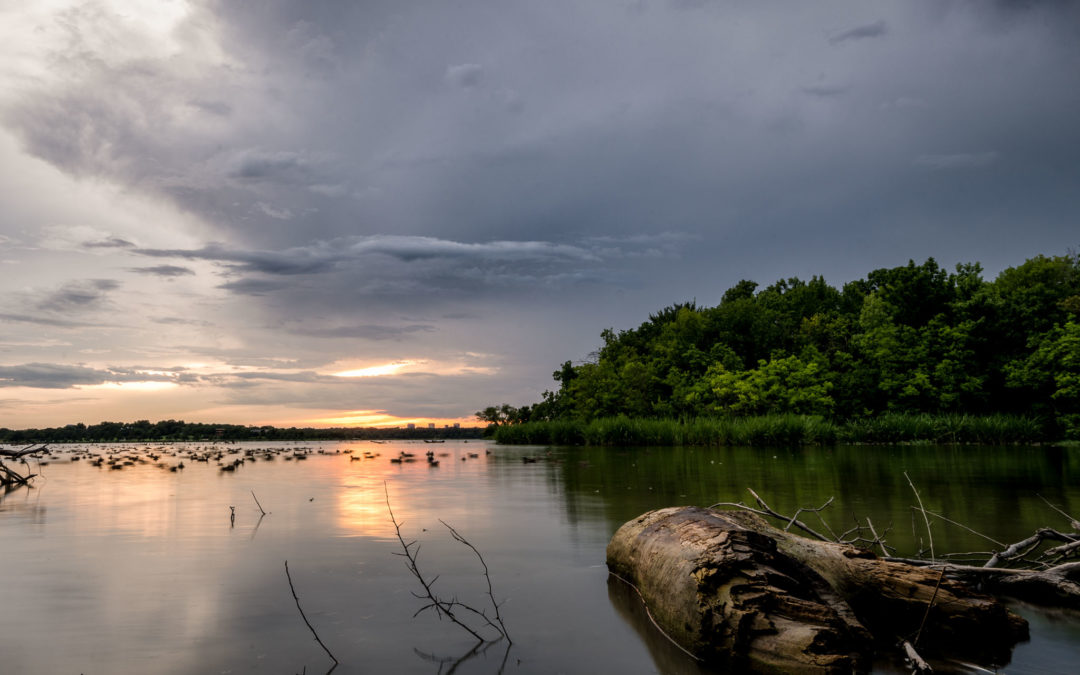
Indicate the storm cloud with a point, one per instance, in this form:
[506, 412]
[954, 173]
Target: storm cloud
[324, 182]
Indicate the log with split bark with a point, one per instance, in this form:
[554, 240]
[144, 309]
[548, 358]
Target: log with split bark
[734, 590]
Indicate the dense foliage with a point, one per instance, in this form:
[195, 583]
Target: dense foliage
[178, 430]
[910, 340]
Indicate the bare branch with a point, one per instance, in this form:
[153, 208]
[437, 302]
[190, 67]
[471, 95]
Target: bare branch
[929, 534]
[302, 616]
[487, 577]
[877, 539]
[1074, 523]
[257, 503]
[799, 524]
[1025, 546]
[961, 525]
[440, 605]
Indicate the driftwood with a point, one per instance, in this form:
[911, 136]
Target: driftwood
[8, 476]
[734, 590]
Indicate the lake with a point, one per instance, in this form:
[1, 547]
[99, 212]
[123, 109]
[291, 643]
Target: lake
[142, 570]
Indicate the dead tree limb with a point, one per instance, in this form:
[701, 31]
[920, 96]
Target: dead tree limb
[304, 617]
[963, 527]
[1074, 523]
[441, 606]
[261, 509]
[11, 478]
[766, 510]
[926, 520]
[1057, 586]
[877, 539]
[501, 627]
[1025, 546]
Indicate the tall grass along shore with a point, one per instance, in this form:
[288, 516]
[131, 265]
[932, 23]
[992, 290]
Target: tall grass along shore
[778, 430]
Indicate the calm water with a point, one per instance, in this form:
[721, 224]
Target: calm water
[141, 571]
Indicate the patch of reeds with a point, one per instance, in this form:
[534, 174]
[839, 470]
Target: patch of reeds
[777, 430]
[995, 429]
[623, 431]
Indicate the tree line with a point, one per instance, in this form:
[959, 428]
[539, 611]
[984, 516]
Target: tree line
[178, 430]
[914, 339]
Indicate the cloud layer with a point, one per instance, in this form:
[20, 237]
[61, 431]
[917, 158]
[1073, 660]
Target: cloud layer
[198, 184]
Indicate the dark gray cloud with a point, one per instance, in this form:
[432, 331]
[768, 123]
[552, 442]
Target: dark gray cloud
[64, 376]
[78, 295]
[44, 320]
[365, 331]
[111, 242]
[319, 257]
[254, 287]
[167, 271]
[527, 174]
[870, 30]
[465, 75]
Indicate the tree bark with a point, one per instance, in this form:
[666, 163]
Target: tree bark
[734, 590]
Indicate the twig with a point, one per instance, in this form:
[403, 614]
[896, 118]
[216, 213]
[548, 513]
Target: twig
[1025, 546]
[817, 511]
[929, 606]
[1073, 522]
[1062, 550]
[929, 534]
[961, 525]
[304, 617]
[498, 618]
[649, 614]
[434, 602]
[793, 521]
[257, 502]
[877, 539]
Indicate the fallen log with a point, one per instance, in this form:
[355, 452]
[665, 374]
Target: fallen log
[734, 590]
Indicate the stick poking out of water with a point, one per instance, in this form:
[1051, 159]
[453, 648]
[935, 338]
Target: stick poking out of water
[304, 617]
[929, 534]
[257, 503]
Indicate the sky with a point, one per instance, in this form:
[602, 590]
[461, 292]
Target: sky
[330, 213]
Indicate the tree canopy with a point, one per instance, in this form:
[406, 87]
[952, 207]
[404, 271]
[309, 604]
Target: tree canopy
[911, 339]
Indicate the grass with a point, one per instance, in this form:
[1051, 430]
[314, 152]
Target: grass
[777, 430]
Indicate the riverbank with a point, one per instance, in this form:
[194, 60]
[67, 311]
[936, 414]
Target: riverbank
[780, 430]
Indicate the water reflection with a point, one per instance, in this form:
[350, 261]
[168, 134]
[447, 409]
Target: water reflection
[447, 665]
[669, 658]
[20, 501]
[137, 569]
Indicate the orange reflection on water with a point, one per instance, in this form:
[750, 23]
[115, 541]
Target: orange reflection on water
[362, 505]
[419, 494]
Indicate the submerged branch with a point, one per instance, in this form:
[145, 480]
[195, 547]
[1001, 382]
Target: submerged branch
[442, 606]
[304, 617]
[487, 577]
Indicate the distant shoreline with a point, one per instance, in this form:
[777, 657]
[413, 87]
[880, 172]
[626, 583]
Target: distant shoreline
[180, 431]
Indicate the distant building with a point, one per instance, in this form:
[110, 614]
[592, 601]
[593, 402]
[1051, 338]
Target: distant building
[431, 425]
[457, 425]
[410, 425]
